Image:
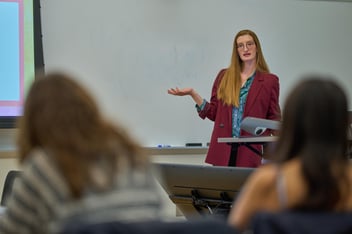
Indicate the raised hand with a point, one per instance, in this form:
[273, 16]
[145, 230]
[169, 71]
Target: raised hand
[180, 92]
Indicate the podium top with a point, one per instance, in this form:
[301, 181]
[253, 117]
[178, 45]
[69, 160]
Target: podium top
[262, 139]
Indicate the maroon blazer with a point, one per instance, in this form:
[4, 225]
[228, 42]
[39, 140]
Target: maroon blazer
[262, 102]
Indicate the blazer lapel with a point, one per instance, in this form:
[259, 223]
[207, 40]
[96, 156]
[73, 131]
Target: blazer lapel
[254, 90]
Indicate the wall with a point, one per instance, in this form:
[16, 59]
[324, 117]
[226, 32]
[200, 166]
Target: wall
[129, 52]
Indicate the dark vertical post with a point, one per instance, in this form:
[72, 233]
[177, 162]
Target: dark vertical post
[233, 155]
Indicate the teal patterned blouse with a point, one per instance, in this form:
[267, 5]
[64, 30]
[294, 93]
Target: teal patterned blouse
[237, 112]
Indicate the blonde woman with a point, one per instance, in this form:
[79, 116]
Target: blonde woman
[245, 88]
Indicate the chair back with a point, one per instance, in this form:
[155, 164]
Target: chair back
[8, 185]
[206, 226]
[302, 222]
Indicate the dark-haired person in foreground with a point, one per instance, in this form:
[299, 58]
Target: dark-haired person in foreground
[312, 170]
[75, 164]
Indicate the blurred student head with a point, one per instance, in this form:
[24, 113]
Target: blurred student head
[315, 121]
[61, 117]
[314, 130]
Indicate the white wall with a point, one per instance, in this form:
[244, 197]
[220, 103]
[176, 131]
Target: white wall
[129, 52]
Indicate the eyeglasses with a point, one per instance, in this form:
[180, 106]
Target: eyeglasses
[249, 45]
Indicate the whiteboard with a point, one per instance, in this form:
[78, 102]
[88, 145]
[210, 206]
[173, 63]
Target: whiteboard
[129, 52]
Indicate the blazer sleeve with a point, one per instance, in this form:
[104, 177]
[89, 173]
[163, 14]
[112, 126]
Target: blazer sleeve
[210, 108]
[274, 111]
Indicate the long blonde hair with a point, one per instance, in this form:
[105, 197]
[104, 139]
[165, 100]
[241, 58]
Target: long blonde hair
[230, 85]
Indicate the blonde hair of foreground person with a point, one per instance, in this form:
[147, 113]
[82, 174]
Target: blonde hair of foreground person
[312, 172]
[75, 163]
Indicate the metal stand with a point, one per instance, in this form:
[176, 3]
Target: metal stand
[244, 141]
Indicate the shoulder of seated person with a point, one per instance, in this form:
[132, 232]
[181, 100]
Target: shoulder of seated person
[265, 175]
[349, 170]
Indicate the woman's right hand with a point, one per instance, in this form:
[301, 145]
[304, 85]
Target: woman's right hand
[180, 92]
